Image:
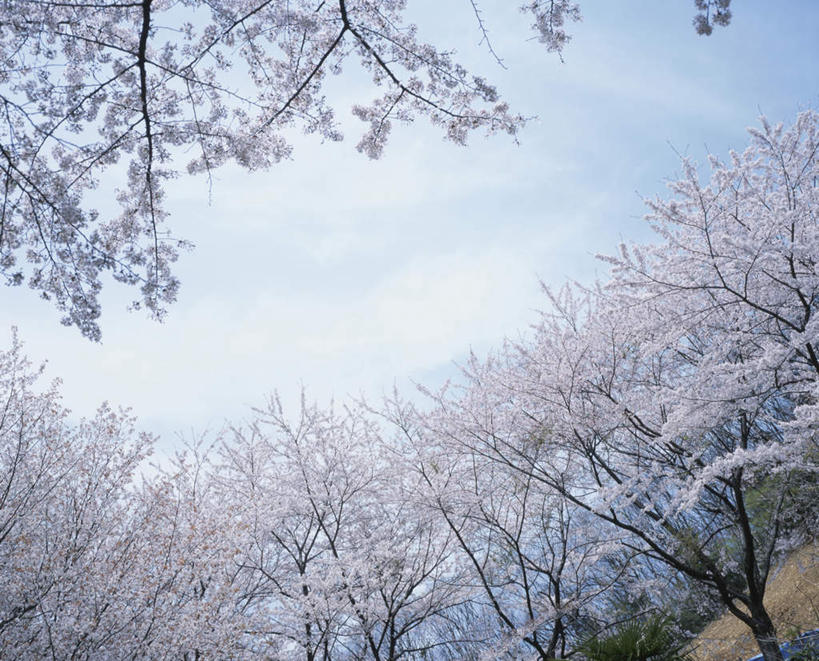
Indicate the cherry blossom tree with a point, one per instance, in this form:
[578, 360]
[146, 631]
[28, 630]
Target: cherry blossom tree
[678, 402]
[95, 563]
[538, 566]
[89, 86]
[188, 548]
[125, 91]
[733, 292]
[337, 562]
[63, 518]
[711, 13]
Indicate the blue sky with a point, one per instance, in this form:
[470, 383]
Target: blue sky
[346, 275]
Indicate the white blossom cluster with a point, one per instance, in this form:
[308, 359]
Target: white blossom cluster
[141, 92]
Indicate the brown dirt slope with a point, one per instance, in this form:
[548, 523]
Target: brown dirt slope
[792, 599]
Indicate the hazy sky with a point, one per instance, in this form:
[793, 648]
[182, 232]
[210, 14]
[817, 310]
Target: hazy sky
[346, 275]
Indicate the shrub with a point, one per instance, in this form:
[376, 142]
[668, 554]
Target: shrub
[650, 639]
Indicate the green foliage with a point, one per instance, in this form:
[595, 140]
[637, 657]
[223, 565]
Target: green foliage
[652, 639]
[691, 605]
[806, 655]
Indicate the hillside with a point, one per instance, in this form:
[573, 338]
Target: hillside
[792, 599]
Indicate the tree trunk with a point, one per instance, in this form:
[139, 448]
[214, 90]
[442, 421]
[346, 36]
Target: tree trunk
[765, 636]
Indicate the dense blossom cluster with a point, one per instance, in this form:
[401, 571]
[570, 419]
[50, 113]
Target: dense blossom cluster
[676, 402]
[127, 88]
[658, 429]
[138, 92]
